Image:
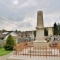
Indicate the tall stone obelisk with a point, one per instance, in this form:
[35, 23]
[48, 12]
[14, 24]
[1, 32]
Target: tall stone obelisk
[40, 27]
[40, 19]
[40, 31]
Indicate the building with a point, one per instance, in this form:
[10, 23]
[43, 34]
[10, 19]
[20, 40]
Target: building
[18, 36]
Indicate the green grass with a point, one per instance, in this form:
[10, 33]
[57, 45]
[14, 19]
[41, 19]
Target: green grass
[3, 51]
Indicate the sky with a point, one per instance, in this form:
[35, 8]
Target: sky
[22, 14]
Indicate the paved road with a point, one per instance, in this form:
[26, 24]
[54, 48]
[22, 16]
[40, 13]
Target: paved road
[5, 56]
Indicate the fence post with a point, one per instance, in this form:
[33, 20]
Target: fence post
[49, 51]
[59, 52]
[33, 51]
[46, 51]
[30, 51]
[38, 50]
[43, 51]
[54, 52]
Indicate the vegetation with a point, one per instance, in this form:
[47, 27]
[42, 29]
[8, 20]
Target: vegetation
[10, 42]
[56, 29]
[3, 51]
[16, 30]
[45, 32]
[4, 30]
[34, 33]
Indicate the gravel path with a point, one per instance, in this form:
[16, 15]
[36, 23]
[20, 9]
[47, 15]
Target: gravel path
[5, 56]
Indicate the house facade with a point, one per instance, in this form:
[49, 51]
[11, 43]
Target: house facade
[18, 36]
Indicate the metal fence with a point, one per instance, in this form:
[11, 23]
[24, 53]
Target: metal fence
[32, 51]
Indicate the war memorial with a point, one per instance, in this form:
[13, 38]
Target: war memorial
[40, 49]
[40, 40]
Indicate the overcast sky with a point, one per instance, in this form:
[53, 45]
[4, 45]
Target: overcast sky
[22, 14]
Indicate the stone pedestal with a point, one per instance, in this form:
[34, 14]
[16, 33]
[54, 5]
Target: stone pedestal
[39, 44]
[40, 41]
[40, 33]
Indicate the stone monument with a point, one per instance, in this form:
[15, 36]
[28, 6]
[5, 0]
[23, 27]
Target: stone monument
[40, 40]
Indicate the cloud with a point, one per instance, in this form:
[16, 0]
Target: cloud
[27, 24]
[23, 13]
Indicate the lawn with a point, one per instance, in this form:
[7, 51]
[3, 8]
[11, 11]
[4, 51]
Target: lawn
[3, 51]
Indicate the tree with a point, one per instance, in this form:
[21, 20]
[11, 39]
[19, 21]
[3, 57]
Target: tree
[4, 30]
[55, 29]
[10, 42]
[45, 32]
[15, 30]
[34, 33]
[58, 29]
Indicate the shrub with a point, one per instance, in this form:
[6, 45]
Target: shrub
[8, 47]
[10, 42]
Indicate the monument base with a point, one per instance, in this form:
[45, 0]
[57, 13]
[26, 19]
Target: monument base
[40, 44]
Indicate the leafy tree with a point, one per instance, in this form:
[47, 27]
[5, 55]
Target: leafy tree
[35, 33]
[4, 30]
[58, 28]
[45, 32]
[15, 30]
[10, 42]
[55, 29]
